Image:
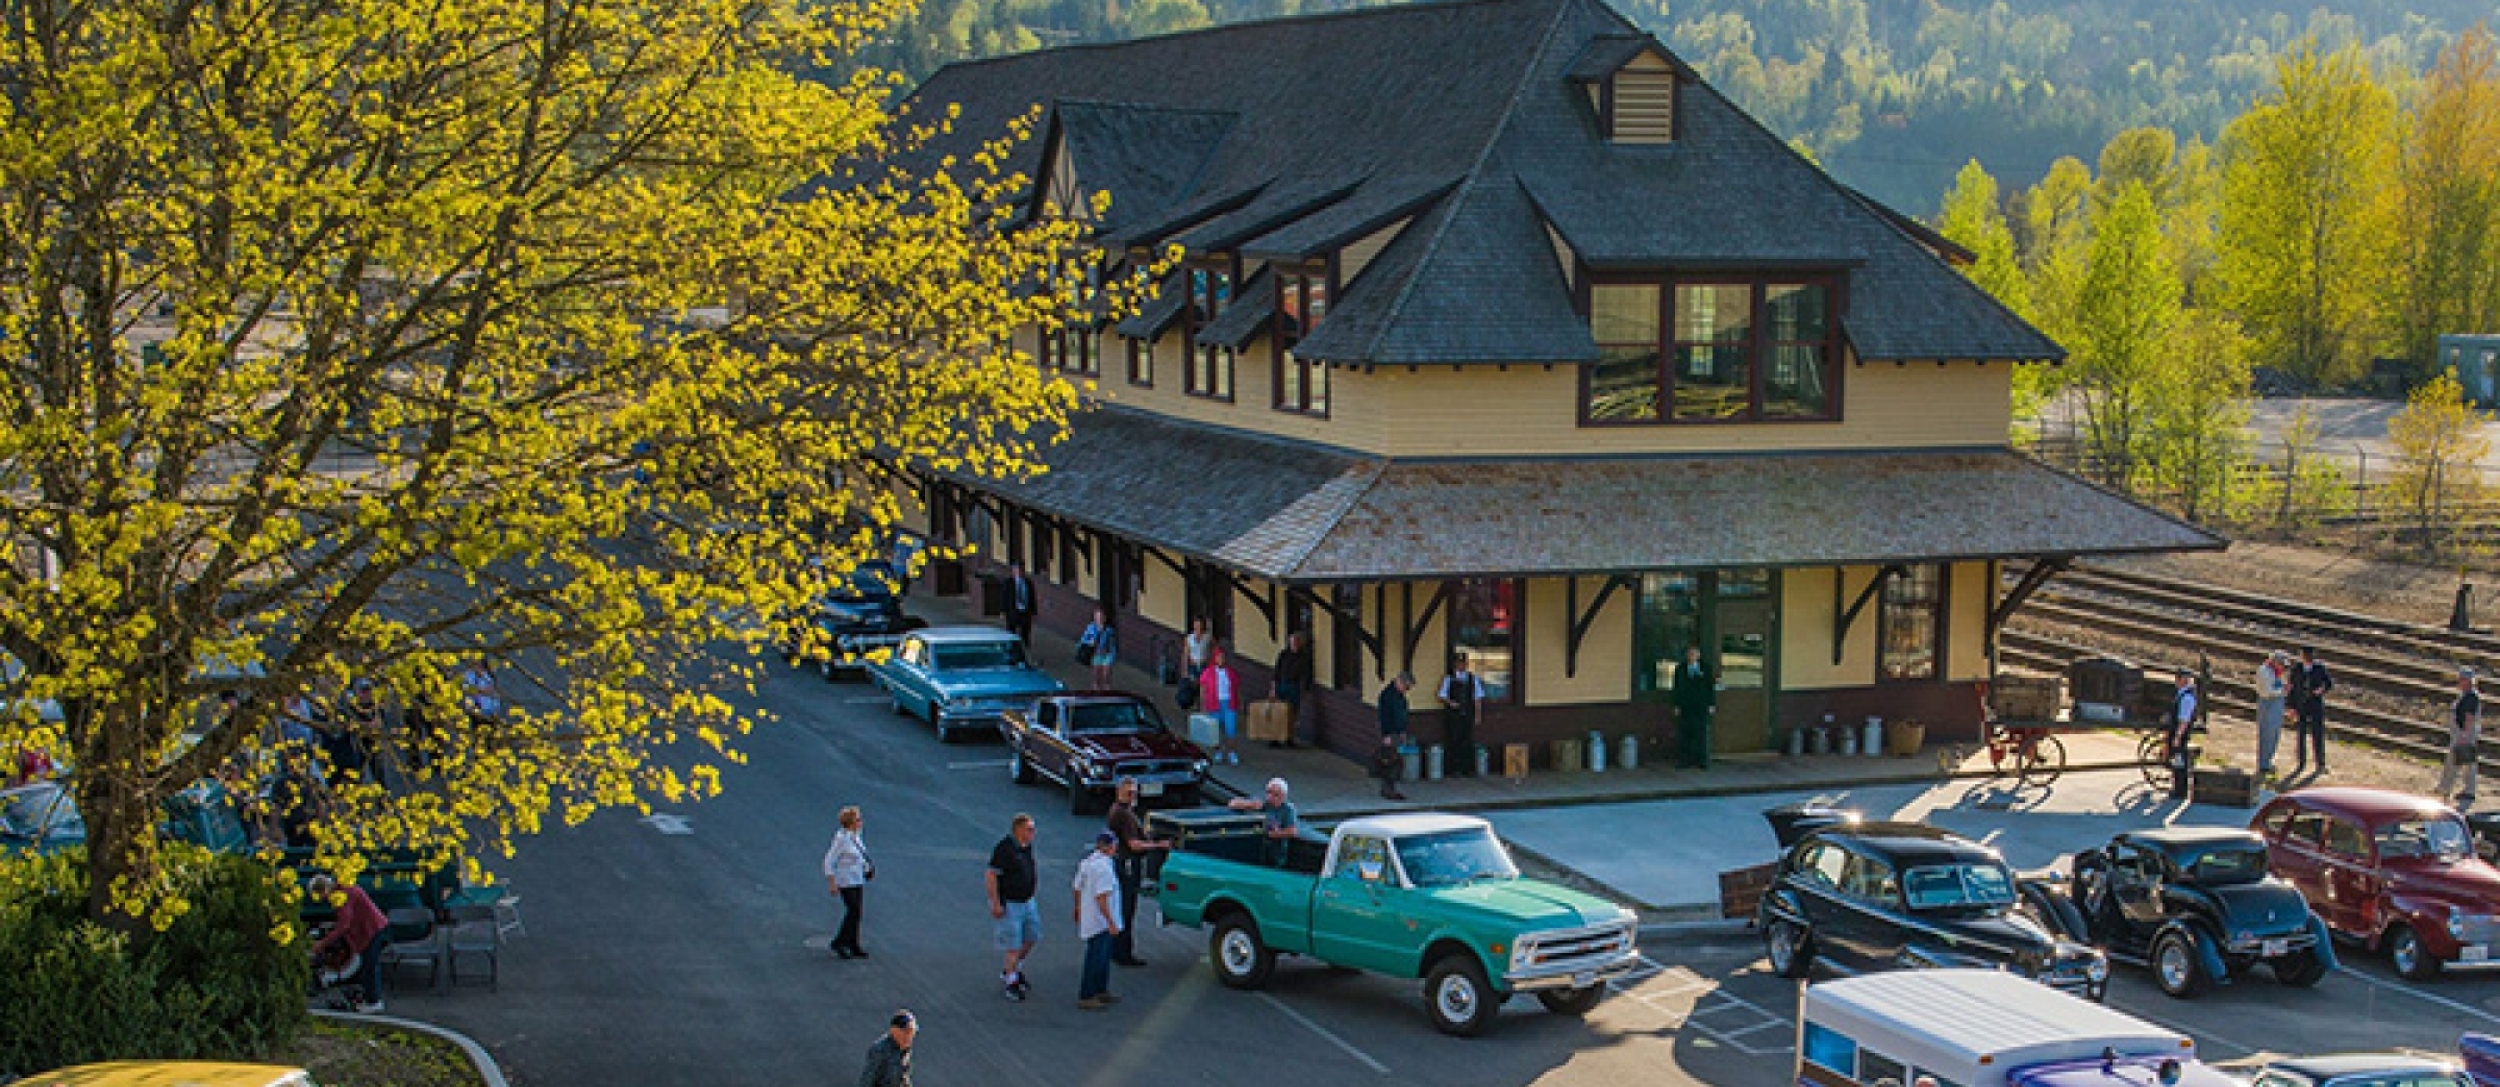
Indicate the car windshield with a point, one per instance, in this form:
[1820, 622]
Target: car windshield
[1957, 886]
[2225, 865]
[42, 812]
[2441, 836]
[1000, 654]
[1113, 717]
[1453, 857]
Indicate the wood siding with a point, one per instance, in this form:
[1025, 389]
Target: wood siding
[1163, 598]
[1358, 254]
[1807, 619]
[1971, 594]
[1605, 661]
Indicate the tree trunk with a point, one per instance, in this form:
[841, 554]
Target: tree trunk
[117, 816]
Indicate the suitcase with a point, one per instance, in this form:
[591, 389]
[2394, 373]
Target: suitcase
[1205, 729]
[1271, 719]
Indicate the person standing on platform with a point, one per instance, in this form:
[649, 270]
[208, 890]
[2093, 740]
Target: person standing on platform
[1695, 693]
[1462, 702]
[2274, 684]
[2310, 683]
[1021, 604]
[1390, 760]
[1293, 677]
[1219, 695]
[1100, 647]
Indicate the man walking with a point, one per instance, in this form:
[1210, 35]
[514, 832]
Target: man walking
[1389, 760]
[2310, 683]
[1097, 890]
[1462, 699]
[1130, 862]
[889, 1059]
[1015, 922]
[1696, 696]
[2274, 684]
[1020, 604]
[2465, 736]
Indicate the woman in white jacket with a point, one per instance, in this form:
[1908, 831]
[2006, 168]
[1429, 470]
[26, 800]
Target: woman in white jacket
[847, 872]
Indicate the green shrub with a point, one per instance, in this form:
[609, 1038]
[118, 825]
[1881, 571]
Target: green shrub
[225, 980]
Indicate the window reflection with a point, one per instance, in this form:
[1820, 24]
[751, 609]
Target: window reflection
[1482, 614]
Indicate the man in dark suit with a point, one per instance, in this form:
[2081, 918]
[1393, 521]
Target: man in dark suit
[2310, 682]
[1021, 603]
[1696, 695]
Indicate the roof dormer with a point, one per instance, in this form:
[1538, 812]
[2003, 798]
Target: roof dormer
[1633, 85]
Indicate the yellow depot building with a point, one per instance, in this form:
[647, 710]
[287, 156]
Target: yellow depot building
[1501, 333]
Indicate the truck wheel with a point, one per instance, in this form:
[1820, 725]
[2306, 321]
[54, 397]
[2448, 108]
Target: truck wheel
[1242, 960]
[2300, 969]
[2176, 968]
[1018, 770]
[2404, 949]
[1789, 947]
[1571, 1001]
[1461, 1001]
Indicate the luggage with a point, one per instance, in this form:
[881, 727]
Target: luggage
[1271, 719]
[1205, 729]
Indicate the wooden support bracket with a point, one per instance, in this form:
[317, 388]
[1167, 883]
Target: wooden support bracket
[1581, 621]
[1849, 618]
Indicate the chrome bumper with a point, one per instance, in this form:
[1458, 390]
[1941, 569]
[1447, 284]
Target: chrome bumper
[1571, 975]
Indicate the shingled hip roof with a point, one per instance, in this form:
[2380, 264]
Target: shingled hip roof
[1301, 514]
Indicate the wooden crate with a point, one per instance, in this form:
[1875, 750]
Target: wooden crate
[2224, 786]
[1741, 889]
[2026, 698]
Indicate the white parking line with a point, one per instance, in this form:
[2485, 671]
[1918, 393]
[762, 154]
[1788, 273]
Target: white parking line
[1323, 1032]
[1715, 1001]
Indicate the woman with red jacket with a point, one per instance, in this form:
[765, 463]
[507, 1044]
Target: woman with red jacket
[360, 929]
[1219, 694]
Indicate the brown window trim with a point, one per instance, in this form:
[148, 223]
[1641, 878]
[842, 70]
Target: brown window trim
[1209, 355]
[1297, 279]
[1835, 283]
[1141, 361]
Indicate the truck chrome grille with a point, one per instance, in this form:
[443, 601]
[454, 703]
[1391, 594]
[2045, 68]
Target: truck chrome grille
[1601, 943]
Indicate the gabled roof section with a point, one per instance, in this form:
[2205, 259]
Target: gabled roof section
[1145, 156]
[1378, 203]
[1605, 54]
[1276, 206]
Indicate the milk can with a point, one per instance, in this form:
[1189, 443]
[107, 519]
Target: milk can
[1631, 754]
[1597, 752]
[1872, 743]
[1432, 763]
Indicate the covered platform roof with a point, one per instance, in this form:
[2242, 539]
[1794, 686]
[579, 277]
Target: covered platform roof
[1303, 514]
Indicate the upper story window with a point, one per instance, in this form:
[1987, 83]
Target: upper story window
[1210, 370]
[1302, 298]
[1072, 349]
[1716, 349]
[1141, 363]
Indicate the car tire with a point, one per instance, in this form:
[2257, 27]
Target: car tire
[1462, 1003]
[2300, 969]
[1242, 960]
[2176, 966]
[2405, 951]
[1789, 946]
[1573, 1002]
[1080, 797]
[1019, 769]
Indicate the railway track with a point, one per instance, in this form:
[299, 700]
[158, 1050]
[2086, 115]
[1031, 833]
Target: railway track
[2393, 679]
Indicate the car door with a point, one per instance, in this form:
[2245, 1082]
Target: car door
[2351, 877]
[1046, 743]
[1878, 929]
[1355, 908]
[2298, 854]
[2135, 875]
[1814, 874]
[914, 676]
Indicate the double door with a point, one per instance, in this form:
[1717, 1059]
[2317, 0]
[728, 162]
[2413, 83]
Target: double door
[1733, 616]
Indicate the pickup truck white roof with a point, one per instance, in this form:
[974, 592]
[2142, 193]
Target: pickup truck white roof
[1403, 824]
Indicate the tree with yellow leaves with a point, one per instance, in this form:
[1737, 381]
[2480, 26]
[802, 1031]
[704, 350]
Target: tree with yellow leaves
[363, 341]
[2440, 447]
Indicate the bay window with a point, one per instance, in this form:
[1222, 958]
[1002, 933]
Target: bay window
[1711, 349]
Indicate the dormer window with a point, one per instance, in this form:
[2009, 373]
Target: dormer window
[1712, 349]
[1210, 369]
[1302, 296]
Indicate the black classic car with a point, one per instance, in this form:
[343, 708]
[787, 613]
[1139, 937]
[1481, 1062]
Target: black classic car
[2193, 903]
[1883, 896]
[1089, 740]
[861, 614]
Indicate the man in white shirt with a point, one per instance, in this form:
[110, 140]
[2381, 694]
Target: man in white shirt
[1097, 921]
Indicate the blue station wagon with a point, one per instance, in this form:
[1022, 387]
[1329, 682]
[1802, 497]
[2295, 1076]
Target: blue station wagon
[961, 680]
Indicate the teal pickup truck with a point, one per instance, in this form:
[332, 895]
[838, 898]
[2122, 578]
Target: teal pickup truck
[1421, 895]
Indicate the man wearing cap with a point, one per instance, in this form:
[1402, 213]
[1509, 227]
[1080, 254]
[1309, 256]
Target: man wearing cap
[2465, 735]
[1278, 814]
[889, 1060]
[1097, 890]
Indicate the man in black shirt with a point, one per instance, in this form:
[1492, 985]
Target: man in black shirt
[1130, 864]
[2465, 736]
[1016, 922]
[1293, 679]
[2310, 682]
[1388, 761]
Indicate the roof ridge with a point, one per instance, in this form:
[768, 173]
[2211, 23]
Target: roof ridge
[1469, 180]
[1390, 10]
